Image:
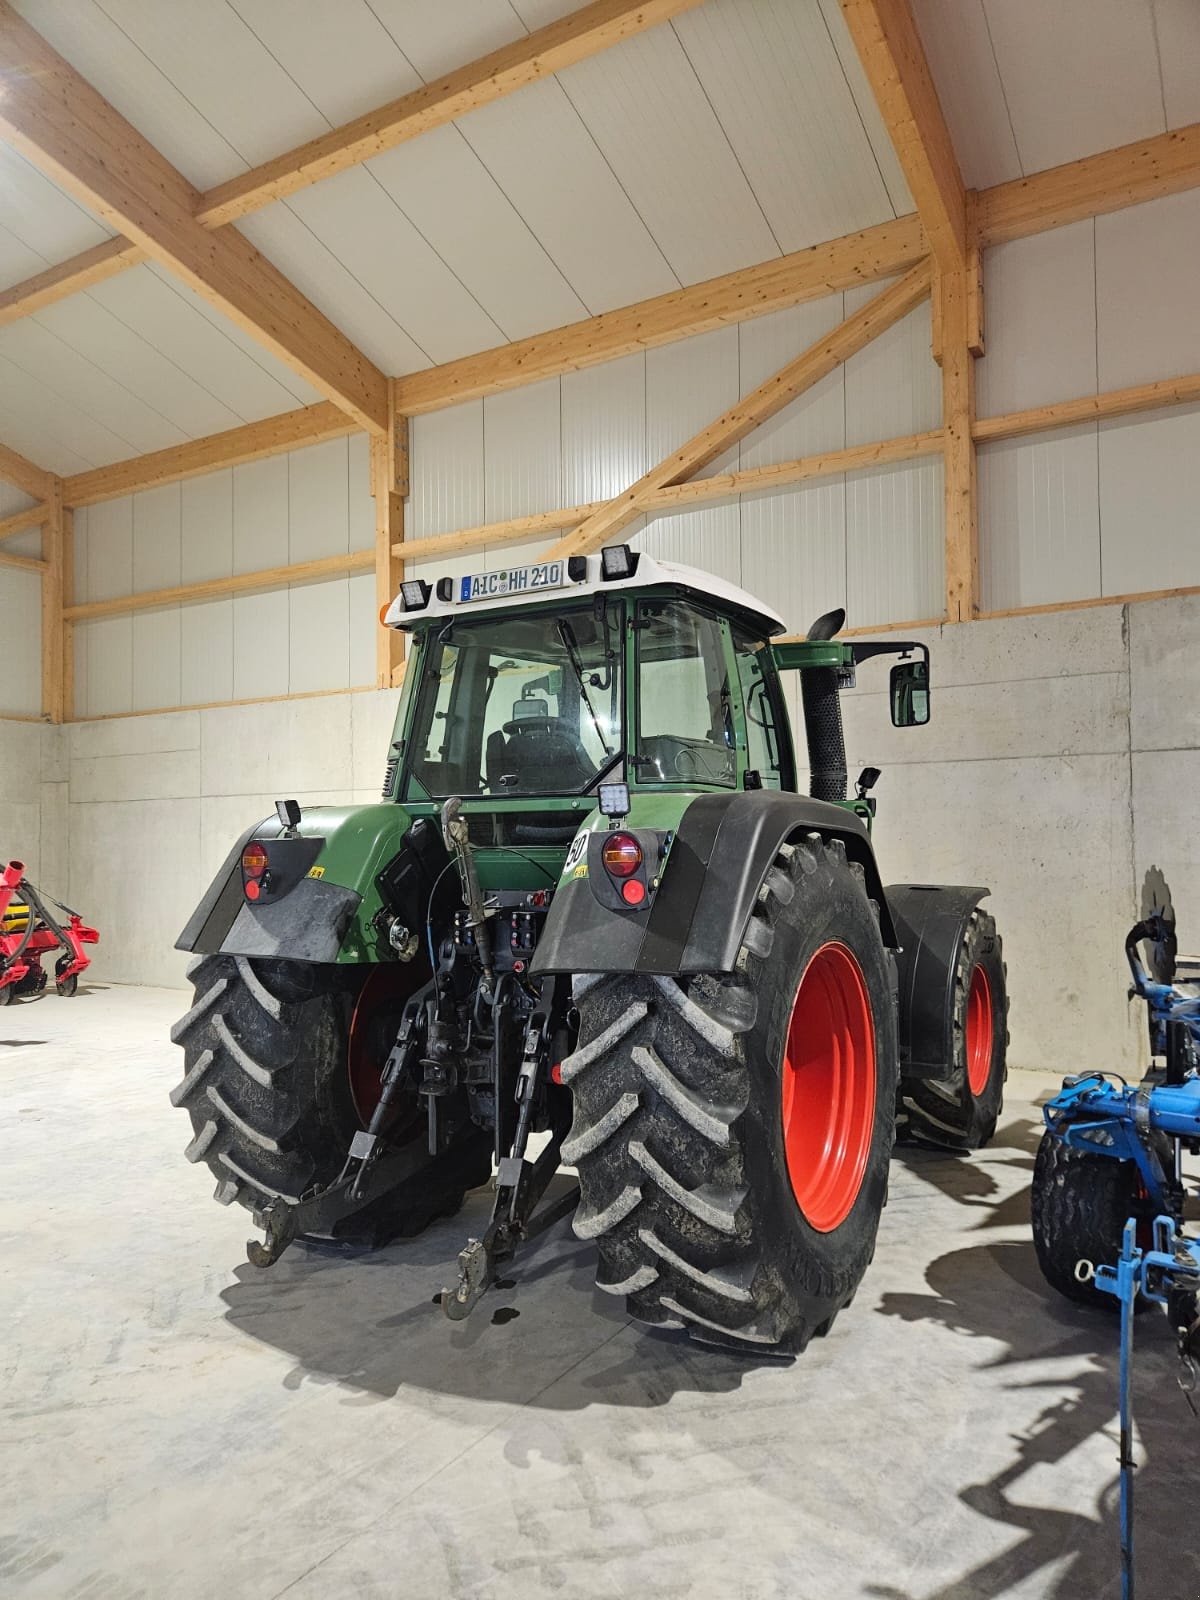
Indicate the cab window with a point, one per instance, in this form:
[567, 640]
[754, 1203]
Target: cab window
[684, 727]
[763, 752]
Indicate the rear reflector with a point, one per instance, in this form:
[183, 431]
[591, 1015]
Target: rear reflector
[633, 892]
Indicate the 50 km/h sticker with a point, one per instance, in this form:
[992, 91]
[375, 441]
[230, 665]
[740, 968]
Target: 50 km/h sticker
[576, 854]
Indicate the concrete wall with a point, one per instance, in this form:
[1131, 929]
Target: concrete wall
[155, 802]
[1058, 766]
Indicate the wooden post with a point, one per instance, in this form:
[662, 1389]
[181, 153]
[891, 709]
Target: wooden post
[68, 627]
[958, 416]
[389, 485]
[53, 628]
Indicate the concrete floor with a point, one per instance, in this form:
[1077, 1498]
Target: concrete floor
[177, 1425]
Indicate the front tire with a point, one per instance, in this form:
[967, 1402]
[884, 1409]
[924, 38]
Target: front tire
[726, 1191]
[268, 1086]
[960, 1112]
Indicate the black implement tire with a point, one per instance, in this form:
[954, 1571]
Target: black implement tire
[267, 1087]
[679, 1125]
[960, 1112]
[1079, 1206]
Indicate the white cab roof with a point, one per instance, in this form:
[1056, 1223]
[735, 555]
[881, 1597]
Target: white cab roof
[650, 574]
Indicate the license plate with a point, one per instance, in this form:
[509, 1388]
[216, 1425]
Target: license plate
[513, 581]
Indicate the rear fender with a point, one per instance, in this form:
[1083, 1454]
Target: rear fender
[930, 920]
[696, 922]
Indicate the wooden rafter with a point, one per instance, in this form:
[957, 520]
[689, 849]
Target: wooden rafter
[23, 521]
[844, 263]
[61, 124]
[537, 55]
[1090, 408]
[1132, 173]
[32, 480]
[750, 412]
[216, 588]
[291, 430]
[889, 47]
[21, 563]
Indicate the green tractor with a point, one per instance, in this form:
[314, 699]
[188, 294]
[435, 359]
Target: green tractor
[592, 924]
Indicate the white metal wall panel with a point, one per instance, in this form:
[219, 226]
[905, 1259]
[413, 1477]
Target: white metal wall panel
[157, 535]
[604, 429]
[958, 48]
[109, 550]
[1149, 495]
[156, 662]
[1146, 324]
[206, 522]
[447, 470]
[894, 544]
[522, 451]
[772, 73]
[21, 630]
[260, 514]
[261, 644]
[364, 624]
[651, 118]
[206, 652]
[893, 385]
[1041, 320]
[1078, 75]
[362, 502]
[109, 676]
[708, 539]
[318, 501]
[319, 616]
[538, 150]
[814, 422]
[794, 550]
[1039, 519]
[688, 385]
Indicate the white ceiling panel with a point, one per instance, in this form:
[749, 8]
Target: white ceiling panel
[864, 99]
[481, 238]
[1078, 75]
[438, 38]
[357, 220]
[543, 157]
[113, 62]
[1177, 26]
[958, 47]
[651, 119]
[318, 273]
[772, 75]
[39, 223]
[49, 428]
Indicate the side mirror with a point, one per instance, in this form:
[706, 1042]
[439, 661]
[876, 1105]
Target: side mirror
[910, 694]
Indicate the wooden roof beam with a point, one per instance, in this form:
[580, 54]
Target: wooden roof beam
[15, 469]
[889, 47]
[547, 50]
[62, 125]
[291, 430]
[820, 359]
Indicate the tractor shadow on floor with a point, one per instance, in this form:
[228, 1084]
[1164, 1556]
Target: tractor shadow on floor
[370, 1323]
[981, 1181]
[995, 1291]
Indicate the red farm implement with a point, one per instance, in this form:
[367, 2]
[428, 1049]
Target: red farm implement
[29, 931]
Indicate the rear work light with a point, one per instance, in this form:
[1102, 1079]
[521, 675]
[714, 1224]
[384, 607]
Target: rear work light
[622, 855]
[254, 869]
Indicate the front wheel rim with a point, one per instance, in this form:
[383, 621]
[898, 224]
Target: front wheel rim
[981, 1032]
[829, 1087]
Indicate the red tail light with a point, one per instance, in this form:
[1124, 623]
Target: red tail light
[254, 869]
[622, 855]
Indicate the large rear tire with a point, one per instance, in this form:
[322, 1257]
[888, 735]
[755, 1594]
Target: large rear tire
[268, 1086]
[960, 1112]
[732, 1134]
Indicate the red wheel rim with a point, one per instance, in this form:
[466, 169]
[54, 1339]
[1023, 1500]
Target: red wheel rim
[373, 1026]
[981, 1032]
[829, 1087]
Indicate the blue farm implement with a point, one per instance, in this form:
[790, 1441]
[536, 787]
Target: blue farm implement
[1109, 1191]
